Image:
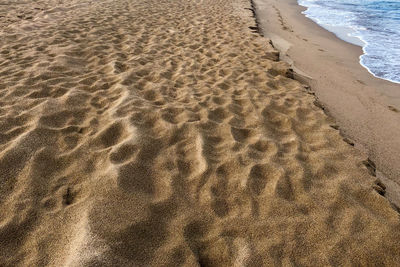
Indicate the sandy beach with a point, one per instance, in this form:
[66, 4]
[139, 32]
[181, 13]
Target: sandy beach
[168, 133]
[366, 108]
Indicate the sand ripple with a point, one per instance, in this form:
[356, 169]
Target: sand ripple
[155, 133]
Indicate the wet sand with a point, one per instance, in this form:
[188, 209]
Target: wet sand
[166, 133]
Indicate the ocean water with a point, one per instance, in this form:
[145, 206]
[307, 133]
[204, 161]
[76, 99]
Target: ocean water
[374, 25]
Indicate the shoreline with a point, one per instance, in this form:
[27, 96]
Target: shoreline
[366, 108]
[342, 32]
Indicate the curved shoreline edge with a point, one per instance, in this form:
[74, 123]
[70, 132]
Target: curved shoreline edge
[343, 34]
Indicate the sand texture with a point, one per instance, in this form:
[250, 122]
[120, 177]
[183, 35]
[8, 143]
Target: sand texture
[165, 133]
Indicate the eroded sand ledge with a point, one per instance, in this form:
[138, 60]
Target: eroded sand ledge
[366, 108]
[165, 133]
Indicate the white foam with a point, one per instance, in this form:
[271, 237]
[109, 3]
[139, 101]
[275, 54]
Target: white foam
[378, 37]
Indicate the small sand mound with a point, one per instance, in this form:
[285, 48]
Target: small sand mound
[165, 133]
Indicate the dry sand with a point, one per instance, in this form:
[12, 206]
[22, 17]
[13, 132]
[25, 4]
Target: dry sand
[164, 133]
[366, 108]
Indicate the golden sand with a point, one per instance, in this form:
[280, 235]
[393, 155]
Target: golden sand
[164, 133]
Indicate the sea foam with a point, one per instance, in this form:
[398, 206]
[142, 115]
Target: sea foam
[374, 25]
